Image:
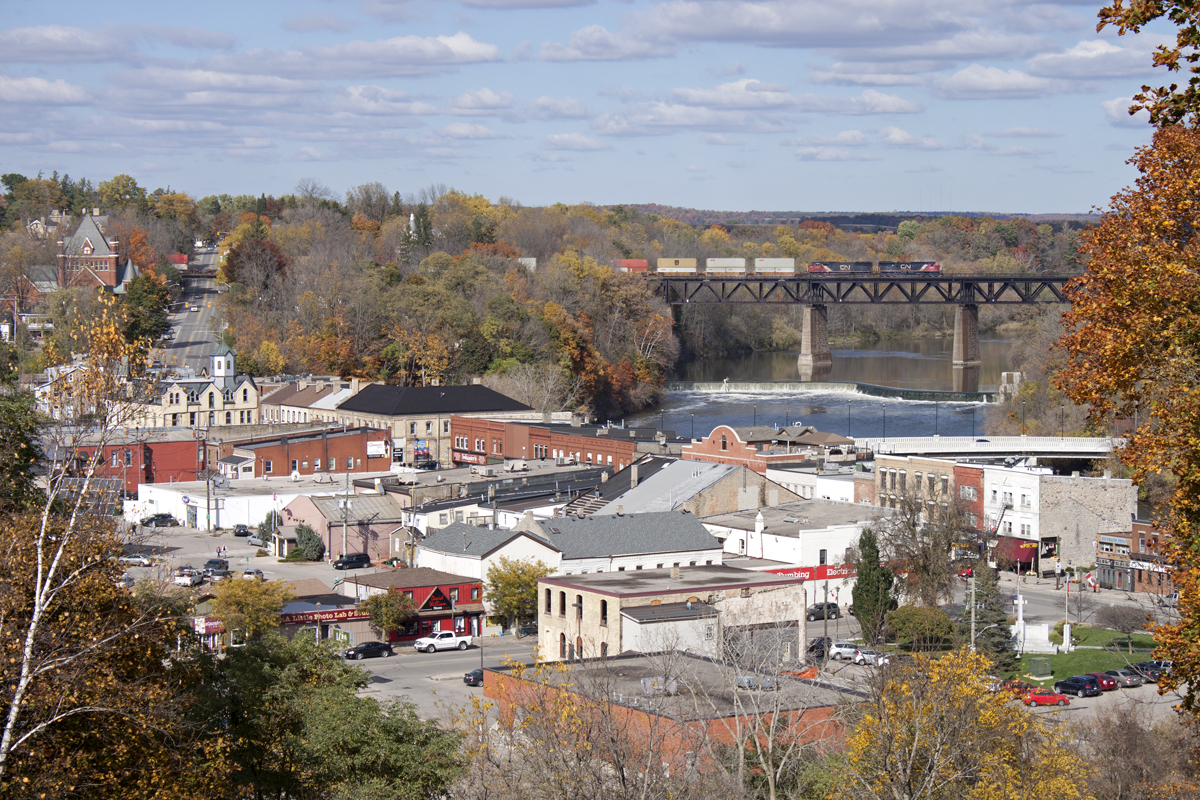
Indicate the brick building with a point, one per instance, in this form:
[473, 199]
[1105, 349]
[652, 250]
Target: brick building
[762, 446]
[1133, 561]
[92, 256]
[144, 457]
[309, 451]
[443, 602]
[476, 440]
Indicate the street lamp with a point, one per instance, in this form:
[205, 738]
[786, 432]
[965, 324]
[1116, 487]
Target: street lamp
[755, 414]
[981, 630]
[885, 422]
[848, 436]
[1062, 430]
[693, 437]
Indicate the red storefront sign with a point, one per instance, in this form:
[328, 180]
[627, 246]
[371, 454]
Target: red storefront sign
[333, 615]
[437, 601]
[821, 573]
[469, 458]
[204, 626]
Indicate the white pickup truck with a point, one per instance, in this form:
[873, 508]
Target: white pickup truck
[442, 640]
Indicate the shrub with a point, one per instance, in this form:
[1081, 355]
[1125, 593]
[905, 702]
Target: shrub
[309, 543]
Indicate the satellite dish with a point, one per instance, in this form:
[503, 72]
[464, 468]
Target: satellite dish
[295, 476]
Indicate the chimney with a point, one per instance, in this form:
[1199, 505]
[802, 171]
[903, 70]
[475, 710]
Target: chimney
[355, 385]
[760, 524]
[675, 572]
[633, 478]
[620, 510]
[301, 386]
[546, 418]
[604, 476]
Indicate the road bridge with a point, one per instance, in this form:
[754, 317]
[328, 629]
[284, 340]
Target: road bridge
[817, 291]
[993, 446]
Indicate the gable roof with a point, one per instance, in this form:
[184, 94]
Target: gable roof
[412, 578]
[632, 534]
[364, 508]
[292, 395]
[591, 502]
[461, 539]
[399, 401]
[89, 230]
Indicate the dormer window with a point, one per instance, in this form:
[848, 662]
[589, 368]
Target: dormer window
[229, 396]
[212, 399]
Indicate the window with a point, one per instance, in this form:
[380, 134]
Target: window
[903, 480]
[1024, 500]
[724, 444]
[228, 417]
[578, 606]
[116, 458]
[454, 595]
[295, 464]
[548, 603]
[245, 395]
[562, 645]
[658, 566]
[174, 420]
[428, 428]
[1008, 500]
[691, 563]
[444, 518]
[316, 465]
[967, 492]
[349, 463]
[892, 479]
[192, 420]
[604, 612]
[267, 467]
[445, 426]
[824, 557]
[412, 429]
[562, 604]
[945, 484]
[620, 569]
[474, 592]
[604, 647]
[212, 417]
[639, 566]
[129, 458]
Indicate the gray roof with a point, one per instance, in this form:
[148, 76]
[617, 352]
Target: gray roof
[89, 230]
[792, 519]
[631, 534]
[470, 540]
[669, 488]
[669, 612]
[368, 508]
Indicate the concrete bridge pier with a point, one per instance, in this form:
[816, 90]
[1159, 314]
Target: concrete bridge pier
[815, 359]
[965, 352]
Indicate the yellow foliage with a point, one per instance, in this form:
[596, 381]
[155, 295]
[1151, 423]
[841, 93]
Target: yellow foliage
[715, 237]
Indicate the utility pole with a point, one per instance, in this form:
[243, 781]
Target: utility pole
[345, 512]
[972, 580]
[825, 622]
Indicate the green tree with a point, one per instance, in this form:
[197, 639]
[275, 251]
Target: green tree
[270, 524]
[295, 727]
[872, 593]
[309, 543]
[511, 587]
[388, 612]
[993, 637]
[919, 626]
[20, 442]
[908, 229]
[252, 607]
[146, 305]
[121, 192]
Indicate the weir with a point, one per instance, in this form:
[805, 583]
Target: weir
[836, 387]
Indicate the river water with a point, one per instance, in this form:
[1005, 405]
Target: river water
[901, 363]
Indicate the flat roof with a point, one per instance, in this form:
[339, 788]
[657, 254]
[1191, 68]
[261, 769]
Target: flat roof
[659, 581]
[790, 519]
[698, 688]
[325, 483]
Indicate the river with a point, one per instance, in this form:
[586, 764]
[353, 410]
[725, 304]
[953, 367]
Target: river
[901, 363]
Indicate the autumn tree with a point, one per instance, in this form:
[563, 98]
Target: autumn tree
[252, 607]
[511, 587]
[920, 539]
[388, 612]
[1132, 337]
[930, 732]
[256, 264]
[122, 191]
[147, 299]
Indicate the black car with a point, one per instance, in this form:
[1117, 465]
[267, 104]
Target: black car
[823, 611]
[353, 561]
[428, 463]
[1080, 686]
[216, 564]
[369, 650]
[159, 521]
[241, 530]
[474, 678]
[529, 628]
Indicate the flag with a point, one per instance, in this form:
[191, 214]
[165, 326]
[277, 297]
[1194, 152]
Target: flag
[1090, 580]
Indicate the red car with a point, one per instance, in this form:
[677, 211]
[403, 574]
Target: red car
[1045, 697]
[1106, 681]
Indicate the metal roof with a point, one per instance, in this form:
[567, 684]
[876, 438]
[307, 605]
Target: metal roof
[470, 540]
[670, 487]
[630, 534]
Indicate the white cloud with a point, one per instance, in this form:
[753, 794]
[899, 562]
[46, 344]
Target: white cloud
[310, 154]
[597, 43]
[399, 56]
[481, 101]
[842, 139]
[746, 93]
[830, 154]
[1022, 132]
[1093, 59]
[866, 78]
[392, 10]
[660, 118]
[572, 141]
[552, 108]
[463, 130]
[527, 3]
[40, 91]
[718, 139]
[317, 21]
[57, 44]
[736, 68]
[980, 82]
[1116, 111]
[375, 100]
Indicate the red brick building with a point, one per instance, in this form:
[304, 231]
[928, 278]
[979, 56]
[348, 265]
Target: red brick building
[150, 457]
[1133, 561]
[762, 446]
[308, 452]
[478, 440]
[444, 602]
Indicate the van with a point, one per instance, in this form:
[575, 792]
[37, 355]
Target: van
[353, 561]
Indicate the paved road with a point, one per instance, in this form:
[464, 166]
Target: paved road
[194, 336]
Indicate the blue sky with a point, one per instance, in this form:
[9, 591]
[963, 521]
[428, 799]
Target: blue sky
[807, 105]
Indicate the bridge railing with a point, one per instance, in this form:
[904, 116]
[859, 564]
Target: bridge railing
[990, 445]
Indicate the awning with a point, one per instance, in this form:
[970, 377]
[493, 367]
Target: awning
[1023, 551]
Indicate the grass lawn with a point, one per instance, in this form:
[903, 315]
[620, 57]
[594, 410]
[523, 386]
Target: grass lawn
[1096, 652]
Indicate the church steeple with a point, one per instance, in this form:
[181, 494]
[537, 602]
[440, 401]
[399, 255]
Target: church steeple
[223, 364]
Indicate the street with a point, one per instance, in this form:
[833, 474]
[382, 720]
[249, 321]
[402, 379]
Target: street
[194, 337]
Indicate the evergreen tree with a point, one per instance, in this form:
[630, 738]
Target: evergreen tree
[993, 637]
[20, 444]
[872, 592]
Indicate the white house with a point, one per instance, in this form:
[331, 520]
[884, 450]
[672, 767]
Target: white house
[471, 550]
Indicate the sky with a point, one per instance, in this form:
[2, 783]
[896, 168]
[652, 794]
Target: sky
[791, 105]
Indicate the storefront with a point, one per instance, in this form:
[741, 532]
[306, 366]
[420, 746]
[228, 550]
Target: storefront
[1023, 553]
[441, 601]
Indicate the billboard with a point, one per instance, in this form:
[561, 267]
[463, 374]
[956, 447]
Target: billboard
[376, 449]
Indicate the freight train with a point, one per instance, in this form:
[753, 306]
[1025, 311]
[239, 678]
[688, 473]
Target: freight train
[766, 267]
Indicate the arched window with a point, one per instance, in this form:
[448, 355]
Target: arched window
[562, 645]
[724, 444]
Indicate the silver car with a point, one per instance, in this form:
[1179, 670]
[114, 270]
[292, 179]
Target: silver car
[840, 650]
[1125, 678]
[869, 657]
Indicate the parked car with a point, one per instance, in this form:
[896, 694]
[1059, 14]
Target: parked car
[1016, 688]
[369, 650]
[241, 530]
[1045, 697]
[189, 577]
[253, 575]
[427, 463]
[442, 640]
[126, 581]
[868, 657]
[216, 564]
[474, 677]
[528, 628]
[1126, 678]
[823, 611]
[136, 560]
[159, 521]
[840, 650]
[254, 540]
[215, 575]
[353, 561]
[1149, 670]
[1106, 681]
[1080, 686]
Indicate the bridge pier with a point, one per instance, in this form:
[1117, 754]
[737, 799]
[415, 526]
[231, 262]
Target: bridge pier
[964, 354]
[815, 359]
